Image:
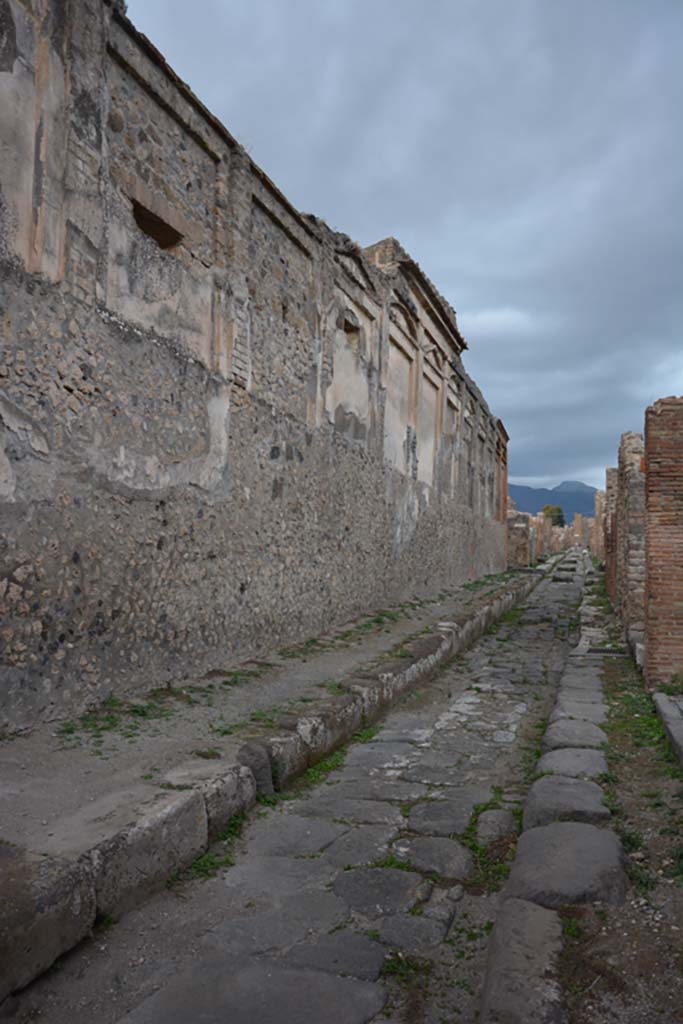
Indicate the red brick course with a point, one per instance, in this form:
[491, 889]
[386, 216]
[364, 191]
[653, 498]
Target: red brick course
[664, 540]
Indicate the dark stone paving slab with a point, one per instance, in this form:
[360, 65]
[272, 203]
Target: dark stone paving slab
[568, 732]
[260, 877]
[343, 952]
[363, 812]
[521, 982]
[380, 755]
[449, 816]
[567, 863]
[577, 762]
[411, 934]
[259, 993]
[360, 846]
[375, 892]
[291, 921]
[495, 824]
[291, 834]
[445, 857]
[581, 710]
[560, 798]
[377, 788]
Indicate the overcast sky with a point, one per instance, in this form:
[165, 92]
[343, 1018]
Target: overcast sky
[527, 153]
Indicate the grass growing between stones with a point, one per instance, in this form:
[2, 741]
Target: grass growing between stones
[492, 862]
[626, 962]
[221, 855]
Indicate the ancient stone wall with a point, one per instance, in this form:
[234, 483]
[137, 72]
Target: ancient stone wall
[520, 539]
[223, 426]
[598, 528]
[611, 492]
[664, 540]
[630, 540]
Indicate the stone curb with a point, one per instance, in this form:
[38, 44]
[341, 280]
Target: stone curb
[167, 834]
[521, 982]
[670, 710]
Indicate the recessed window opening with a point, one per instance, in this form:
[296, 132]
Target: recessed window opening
[154, 227]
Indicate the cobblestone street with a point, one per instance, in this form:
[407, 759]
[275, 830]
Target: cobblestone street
[370, 895]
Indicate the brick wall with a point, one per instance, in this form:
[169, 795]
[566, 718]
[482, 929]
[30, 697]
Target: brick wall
[664, 540]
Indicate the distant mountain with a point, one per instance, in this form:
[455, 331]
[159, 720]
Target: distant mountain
[571, 495]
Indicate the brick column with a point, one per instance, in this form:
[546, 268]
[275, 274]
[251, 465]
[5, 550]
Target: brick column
[663, 540]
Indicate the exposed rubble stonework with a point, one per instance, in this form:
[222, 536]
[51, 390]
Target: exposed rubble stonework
[611, 491]
[630, 568]
[223, 426]
[664, 541]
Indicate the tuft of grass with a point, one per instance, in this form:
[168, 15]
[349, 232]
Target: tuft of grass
[218, 857]
[367, 734]
[391, 861]
[208, 753]
[406, 970]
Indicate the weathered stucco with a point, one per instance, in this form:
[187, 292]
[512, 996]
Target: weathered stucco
[222, 425]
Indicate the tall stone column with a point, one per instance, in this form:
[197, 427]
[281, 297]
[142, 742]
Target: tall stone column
[630, 571]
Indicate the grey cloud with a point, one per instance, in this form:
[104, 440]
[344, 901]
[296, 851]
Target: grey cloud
[528, 156]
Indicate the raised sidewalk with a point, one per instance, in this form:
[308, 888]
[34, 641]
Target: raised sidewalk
[98, 812]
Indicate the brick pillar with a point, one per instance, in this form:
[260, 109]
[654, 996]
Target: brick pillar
[630, 554]
[612, 478]
[663, 540]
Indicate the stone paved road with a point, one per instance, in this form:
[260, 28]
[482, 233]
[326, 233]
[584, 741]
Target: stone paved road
[369, 897]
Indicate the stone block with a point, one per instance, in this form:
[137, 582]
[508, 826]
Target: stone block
[521, 984]
[47, 906]
[168, 834]
[568, 732]
[562, 798]
[578, 762]
[567, 863]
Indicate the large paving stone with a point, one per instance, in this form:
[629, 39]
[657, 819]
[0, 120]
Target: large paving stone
[581, 710]
[291, 835]
[567, 863]
[568, 732]
[269, 930]
[577, 762]
[360, 846]
[364, 812]
[434, 854]
[47, 906]
[343, 952]
[521, 982]
[411, 934]
[379, 891]
[271, 878]
[449, 816]
[221, 993]
[374, 788]
[495, 824]
[561, 798]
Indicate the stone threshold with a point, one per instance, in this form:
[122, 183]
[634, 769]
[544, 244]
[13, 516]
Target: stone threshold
[670, 711]
[51, 903]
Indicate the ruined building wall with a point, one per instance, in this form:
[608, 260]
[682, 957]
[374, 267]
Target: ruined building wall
[222, 426]
[664, 540]
[611, 492]
[598, 529]
[630, 543]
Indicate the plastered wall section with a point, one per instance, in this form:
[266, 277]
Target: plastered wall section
[223, 427]
[664, 541]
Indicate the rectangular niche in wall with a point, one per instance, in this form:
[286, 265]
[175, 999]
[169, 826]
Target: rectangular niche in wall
[154, 227]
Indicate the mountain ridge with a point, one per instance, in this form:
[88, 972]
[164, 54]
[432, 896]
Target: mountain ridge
[571, 495]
